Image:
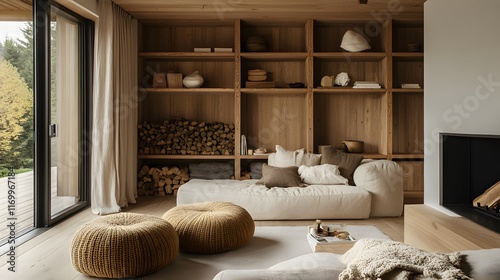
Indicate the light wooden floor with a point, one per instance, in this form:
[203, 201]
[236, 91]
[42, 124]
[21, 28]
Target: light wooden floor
[24, 203]
[47, 256]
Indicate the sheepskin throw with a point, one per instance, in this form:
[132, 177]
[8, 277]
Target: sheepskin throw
[383, 259]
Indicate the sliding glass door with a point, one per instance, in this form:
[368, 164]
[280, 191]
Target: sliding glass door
[63, 83]
[65, 111]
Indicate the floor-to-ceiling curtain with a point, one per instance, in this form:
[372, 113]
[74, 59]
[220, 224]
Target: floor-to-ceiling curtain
[114, 137]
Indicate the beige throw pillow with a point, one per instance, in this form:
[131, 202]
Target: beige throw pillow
[273, 176]
[347, 162]
[307, 159]
[285, 158]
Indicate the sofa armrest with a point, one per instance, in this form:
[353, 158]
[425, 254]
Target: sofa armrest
[384, 180]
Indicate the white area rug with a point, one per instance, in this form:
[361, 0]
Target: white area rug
[270, 245]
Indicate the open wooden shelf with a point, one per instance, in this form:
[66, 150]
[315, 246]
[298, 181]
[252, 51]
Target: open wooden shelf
[186, 157]
[408, 156]
[274, 56]
[389, 120]
[342, 56]
[408, 90]
[188, 55]
[350, 90]
[186, 90]
[270, 91]
[408, 56]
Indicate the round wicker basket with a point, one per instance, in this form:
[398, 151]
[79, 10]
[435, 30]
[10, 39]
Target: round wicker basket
[124, 245]
[211, 227]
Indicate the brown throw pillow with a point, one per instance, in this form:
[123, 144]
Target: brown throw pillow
[347, 162]
[273, 176]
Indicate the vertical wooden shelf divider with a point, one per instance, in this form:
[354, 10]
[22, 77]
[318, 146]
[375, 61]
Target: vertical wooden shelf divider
[388, 45]
[310, 84]
[237, 99]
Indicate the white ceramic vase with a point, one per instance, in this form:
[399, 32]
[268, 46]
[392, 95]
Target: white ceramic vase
[193, 80]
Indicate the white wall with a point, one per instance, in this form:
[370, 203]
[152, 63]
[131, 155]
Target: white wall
[462, 76]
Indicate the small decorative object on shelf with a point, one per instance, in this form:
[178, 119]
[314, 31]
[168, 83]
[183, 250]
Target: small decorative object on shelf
[410, 85]
[342, 79]
[327, 81]
[202, 49]
[159, 80]
[256, 44]
[366, 84]
[174, 80]
[244, 147]
[414, 47]
[297, 85]
[257, 75]
[229, 50]
[355, 146]
[260, 151]
[354, 42]
[193, 80]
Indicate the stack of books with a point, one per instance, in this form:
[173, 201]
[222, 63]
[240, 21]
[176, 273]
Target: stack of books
[366, 84]
[410, 86]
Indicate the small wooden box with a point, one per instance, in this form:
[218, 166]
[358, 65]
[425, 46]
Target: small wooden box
[263, 84]
[174, 80]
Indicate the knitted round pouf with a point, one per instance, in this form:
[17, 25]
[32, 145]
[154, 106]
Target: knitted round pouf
[211, 227]
[124, 245]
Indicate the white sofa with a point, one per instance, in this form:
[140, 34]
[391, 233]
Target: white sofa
[378, 192]
[478, 264]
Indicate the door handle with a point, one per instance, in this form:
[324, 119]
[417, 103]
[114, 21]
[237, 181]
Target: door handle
[53, 130]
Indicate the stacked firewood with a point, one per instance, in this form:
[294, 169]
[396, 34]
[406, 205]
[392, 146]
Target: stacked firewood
[161, 180]
[183, 137]
[245, 175]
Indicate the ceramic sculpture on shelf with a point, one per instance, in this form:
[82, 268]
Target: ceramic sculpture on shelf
[342, 79]
[327, 81]
[193, 80]
[354, 42]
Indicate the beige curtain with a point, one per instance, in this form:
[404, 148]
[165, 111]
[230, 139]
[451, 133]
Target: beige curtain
[67, 108]
[114, 138]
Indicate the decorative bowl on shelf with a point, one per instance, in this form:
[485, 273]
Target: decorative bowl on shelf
[193, 80]
[355, 146]
[260, 151]
[256, 44]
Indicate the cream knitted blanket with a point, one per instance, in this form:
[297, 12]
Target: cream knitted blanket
[383, 259]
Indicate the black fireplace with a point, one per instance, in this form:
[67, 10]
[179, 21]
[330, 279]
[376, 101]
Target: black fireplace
[469, 164]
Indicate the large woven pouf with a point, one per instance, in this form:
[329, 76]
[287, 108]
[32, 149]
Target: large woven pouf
[211, 227]
[124, 245]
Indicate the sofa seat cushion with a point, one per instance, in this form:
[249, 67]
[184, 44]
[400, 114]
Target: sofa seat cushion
[312, 260]
[293, 203]
[482, 264]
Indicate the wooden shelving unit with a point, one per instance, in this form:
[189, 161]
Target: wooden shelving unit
[389, 120]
